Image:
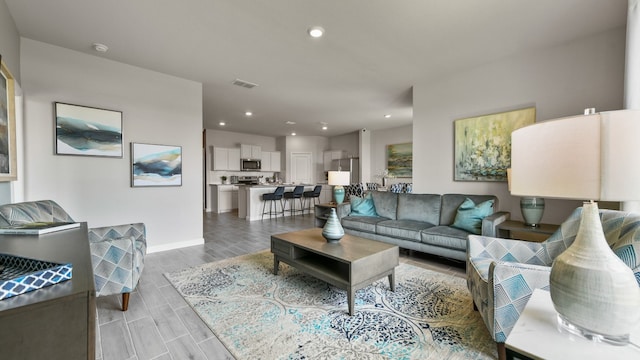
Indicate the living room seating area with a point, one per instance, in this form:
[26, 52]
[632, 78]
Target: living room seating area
[502, 273]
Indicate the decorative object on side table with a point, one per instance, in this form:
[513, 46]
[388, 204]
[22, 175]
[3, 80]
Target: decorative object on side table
[338, 179]
[532, 209]
[592, 288]
[223, 179]
[332, 230]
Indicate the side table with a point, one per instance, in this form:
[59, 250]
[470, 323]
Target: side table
[536, 336]
[512, 229]
[322, 211]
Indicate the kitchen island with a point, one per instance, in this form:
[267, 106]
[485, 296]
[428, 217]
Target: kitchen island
[250, 198]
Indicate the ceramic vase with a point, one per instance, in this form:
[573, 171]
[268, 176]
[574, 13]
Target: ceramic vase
[332, 230]
[594, 292]
[532, 209]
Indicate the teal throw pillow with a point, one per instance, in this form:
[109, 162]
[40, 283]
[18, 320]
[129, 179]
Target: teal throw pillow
[470, 215]
[362, 206]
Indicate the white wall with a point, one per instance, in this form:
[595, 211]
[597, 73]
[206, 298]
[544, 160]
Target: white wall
[559, 81]
[157, 109]
[379, 141]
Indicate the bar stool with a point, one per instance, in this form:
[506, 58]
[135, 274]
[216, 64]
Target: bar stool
[291, 197]
[273, 206]
[313, 196]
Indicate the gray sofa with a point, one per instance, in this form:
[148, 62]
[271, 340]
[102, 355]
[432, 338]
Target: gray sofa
[419, 222]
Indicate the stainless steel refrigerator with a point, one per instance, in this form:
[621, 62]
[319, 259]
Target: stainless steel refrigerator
[352, 165]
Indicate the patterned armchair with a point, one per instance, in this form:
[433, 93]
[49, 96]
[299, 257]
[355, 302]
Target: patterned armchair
[117, 252]
[502, 273]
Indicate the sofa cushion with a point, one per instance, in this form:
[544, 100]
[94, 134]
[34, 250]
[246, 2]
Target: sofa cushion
[363, 206]
[445, 236]
[419, 207]
[469, 216]
[403, 229]
[362, 223]
[451, 202]
[386, 203]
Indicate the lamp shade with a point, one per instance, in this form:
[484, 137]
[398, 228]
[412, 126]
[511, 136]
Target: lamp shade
[588, 157]
[339, 177]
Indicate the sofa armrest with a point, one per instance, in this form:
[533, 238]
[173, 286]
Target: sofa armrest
[343, 209]
[490, 223]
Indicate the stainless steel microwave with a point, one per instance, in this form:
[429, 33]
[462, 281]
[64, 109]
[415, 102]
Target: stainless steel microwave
[250, 165]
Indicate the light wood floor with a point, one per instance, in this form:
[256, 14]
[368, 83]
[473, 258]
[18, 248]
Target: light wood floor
[160, 325]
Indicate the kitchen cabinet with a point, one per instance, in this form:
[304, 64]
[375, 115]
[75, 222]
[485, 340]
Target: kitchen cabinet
[271, 161]
[224, 198]
[226, 159]
[331, 155]
[250, 151]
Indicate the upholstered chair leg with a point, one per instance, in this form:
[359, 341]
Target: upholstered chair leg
[502, 351]
[125, 301]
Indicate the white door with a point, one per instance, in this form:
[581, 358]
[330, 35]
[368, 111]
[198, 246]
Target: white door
[301, 168]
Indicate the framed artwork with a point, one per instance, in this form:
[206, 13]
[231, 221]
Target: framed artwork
[400, 160]
[156, 165]
[8, 155]
[483, 144]
[88, 131]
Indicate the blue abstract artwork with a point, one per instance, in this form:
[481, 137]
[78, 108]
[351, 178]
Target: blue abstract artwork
[82, 130]
[156, 165]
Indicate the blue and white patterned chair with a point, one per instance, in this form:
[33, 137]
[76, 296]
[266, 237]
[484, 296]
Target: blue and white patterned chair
[117, 252]
[502, 273]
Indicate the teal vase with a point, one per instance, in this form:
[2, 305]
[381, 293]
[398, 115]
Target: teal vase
[532, 209]
[332, 230]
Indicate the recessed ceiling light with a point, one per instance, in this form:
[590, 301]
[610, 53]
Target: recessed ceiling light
[387, 116]
[293, 134]
[248, 113]
[222, 123]
[324, 127]
[100, 47]
[290, 122]
[315, 32]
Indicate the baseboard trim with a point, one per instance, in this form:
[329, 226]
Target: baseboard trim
[175, 245]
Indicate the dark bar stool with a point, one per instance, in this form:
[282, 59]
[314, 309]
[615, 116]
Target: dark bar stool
[291, 197]
[313, 196]
[272, 198]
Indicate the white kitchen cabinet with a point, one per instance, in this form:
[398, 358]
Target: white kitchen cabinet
[330, 155]
[234, 159]
[226, 159]
[271, 161]
[224, 198]
[250, 151]
[326, 195]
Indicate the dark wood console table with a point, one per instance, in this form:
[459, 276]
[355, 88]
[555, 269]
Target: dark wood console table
[58, 321]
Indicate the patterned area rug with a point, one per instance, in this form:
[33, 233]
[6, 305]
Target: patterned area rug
[258, 315]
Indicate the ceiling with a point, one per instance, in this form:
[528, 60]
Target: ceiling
[372, 53]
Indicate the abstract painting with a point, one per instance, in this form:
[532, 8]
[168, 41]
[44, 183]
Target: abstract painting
[83, 130]
[400, 160]
[8, 156]
[483, 144]
[156, 165]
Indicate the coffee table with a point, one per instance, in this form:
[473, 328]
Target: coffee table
[350, 264]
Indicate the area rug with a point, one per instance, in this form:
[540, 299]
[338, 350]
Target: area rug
[258, 315]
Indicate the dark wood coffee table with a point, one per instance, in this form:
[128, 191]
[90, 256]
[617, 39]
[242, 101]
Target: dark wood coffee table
[350, 264]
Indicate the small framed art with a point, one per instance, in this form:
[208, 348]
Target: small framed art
[88, 131]
[156, 165]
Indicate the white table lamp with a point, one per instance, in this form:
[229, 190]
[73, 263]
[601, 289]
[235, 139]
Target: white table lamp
[586, 157]
[338, 179]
